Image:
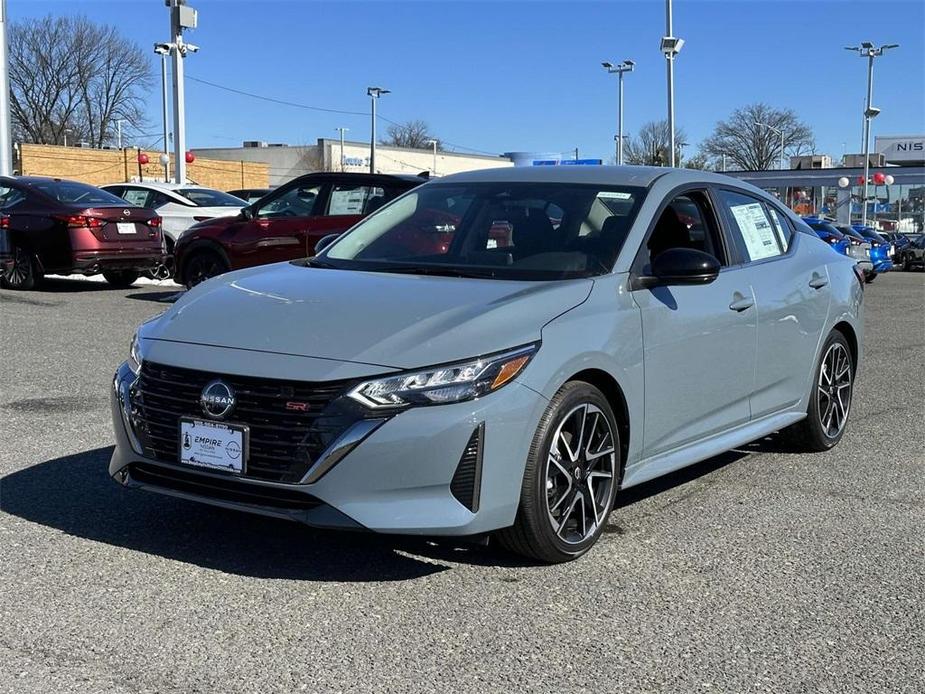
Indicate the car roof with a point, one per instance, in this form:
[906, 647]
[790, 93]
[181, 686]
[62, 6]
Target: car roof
[600, 175]
[156, 185]
[38, 179]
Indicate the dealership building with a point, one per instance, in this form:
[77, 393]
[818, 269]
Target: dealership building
[811, 185]
[285, 162]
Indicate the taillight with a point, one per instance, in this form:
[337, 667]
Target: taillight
[79, 221]
[154, 222]
[4, 221]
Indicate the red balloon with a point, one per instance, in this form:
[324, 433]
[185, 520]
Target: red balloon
[860, 180]
[142, 158]
[879, 178]
[190, 157]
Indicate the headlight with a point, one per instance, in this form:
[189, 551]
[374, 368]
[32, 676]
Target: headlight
[134, 355]
[444, 384]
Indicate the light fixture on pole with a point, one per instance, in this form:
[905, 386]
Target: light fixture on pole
[670, 45]
[779, 132]
[434, 143]
[182, 17]
[66, 131]
[163, 50]
[374, 93]
[869, 51]
[342, 131]
[625, 66]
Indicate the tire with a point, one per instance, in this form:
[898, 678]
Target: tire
[548, 526]
[827, 413]
[201, 265]
[870, 277]
[907, 263]
[121, 279]
[24, 274]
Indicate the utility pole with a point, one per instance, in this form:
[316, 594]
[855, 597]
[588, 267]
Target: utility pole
[869, 51]
[433, 144]
[342, 131]
[374, 93]
[119, 122]
[163, 50]
[6, 139]
[182, 17]
[625, 66]
[670, 46]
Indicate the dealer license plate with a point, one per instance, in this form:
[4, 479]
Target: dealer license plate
[214, 445]
[125, 227]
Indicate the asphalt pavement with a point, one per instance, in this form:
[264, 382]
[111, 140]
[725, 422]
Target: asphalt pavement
[756, 571]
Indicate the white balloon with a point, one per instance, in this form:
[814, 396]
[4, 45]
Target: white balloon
[889, 180]
[164, 158]
[843, 182]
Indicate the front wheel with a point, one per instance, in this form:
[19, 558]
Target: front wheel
[570, 479]
[829, 401]
[203, 264]
[24, 273]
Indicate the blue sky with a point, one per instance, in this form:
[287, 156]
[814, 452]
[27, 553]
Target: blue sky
[501, 76]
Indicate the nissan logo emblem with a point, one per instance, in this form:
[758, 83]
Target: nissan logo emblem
[217, 399]
[126, 213]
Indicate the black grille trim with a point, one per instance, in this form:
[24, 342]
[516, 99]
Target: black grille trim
[283, 444]
[228, 489]
[467, 480]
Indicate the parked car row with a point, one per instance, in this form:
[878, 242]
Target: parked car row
[874, 252]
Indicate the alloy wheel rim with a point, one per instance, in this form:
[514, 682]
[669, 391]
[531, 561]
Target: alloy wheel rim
[19, 273]
[580, 474]
[833, 390]
[203, 269]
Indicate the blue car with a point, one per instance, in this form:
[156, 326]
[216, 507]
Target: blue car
[881, 250]
[826, 231]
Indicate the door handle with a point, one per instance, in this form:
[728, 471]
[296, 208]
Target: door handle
[742, 304]
[818, 282]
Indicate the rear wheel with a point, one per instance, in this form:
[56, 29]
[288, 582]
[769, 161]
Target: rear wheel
[907, 262]
[570, 479]
[24, 273]
[870, 277]
[120, 279]
[830, 400]
[202, 265]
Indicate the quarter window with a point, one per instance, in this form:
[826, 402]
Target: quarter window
[757, 235]
[781, 227]
[10, 196]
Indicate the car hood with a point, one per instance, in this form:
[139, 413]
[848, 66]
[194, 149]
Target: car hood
[381, 319]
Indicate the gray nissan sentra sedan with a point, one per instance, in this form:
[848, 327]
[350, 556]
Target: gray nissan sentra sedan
[497, 352]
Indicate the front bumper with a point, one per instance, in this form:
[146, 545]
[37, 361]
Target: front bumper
[396, 480]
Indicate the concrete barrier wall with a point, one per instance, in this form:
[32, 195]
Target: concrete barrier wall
[100, 166]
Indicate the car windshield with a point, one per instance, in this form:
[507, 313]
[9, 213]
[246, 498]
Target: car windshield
[206, 197]
[825, 226]
[848, 231]
[525, 231]
[74, 193]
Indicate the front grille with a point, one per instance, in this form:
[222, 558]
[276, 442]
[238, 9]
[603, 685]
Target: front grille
[228, 489]
[283, 443]
[467, 480]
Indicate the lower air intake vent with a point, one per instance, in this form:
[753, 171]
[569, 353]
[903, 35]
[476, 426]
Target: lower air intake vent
[467, 480]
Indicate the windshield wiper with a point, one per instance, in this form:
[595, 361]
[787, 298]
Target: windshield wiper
[314, 262]
[434, 270]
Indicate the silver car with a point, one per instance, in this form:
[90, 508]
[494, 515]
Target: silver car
[497, 352]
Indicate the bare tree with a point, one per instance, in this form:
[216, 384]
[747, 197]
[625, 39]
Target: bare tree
[651, 146]
[414, 134]
[70, 74]
[755, 147]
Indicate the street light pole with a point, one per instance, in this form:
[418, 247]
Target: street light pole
[670, 46]
[433, 143]
[182, 16]
[869, 51]
[625, 66]
[163, 50]
[374, 93]
[781, 133]
[342, 131]
[6, 138]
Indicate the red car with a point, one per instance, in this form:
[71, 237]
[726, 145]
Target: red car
[285, 224]
[64, 227]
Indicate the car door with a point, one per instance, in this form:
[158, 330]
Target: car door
[698, 340]
[790, 281]
[281, 227]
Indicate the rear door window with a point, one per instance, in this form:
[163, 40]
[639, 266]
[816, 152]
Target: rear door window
[754, 232]
[350, 199]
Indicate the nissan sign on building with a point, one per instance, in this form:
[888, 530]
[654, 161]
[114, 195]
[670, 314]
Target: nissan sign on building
[905, 150]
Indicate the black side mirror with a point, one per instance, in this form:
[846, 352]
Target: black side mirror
[324, 242]
[681, 266]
